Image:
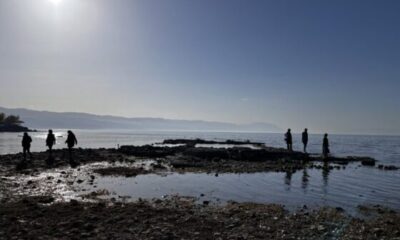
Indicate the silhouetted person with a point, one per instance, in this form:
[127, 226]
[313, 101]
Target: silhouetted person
[71, 142]
[50, 141]
[288, 139]
[325, 146]
[304, 139]
[26, 145]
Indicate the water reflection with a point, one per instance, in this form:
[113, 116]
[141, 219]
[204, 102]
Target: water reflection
[325, 175]
[288, 179]
[305, 180]
[308, 186]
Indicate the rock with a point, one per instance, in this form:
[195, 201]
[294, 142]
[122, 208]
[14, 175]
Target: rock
[368, 161]
[46, 199]
[339, 209]
[321, 228]
[391, 167]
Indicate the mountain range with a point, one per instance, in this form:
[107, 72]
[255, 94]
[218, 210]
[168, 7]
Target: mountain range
[73, 120]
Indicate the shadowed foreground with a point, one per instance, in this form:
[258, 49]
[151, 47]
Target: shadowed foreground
[180, 218]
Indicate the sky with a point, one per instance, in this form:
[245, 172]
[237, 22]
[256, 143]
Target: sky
[331, 66]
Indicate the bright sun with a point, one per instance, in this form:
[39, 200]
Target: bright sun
[55, 2]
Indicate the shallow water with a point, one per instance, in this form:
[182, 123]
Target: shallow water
[344, 188]
[311, 187]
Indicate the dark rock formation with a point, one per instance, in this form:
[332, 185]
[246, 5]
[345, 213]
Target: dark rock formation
[14, 128]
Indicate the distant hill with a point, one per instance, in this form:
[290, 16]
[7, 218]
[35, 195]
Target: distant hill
[45, 119]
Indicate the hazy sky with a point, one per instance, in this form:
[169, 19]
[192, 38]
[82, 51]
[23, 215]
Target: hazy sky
[327, 65]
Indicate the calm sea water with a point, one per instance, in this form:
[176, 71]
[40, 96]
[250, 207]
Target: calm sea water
[346, 188]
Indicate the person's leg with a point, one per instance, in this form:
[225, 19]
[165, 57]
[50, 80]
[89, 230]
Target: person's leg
[30, 154]
[71, 158]
[24, 154]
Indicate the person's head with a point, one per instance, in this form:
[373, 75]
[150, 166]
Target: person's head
[288, 130]
[325, 135]
[25, 134]
[69, 132]
[50, 131]
[305, 130]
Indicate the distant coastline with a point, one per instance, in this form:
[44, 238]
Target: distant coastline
[15, 128]
[70, 120]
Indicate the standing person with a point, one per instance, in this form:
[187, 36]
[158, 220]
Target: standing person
[325, 146]
[26, 145]
[288, 139]
[71, 142]
[50, 142]
[304, 139]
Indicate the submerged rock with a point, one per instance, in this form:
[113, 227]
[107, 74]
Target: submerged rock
[121, 171]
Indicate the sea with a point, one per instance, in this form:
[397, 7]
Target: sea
[347, 188]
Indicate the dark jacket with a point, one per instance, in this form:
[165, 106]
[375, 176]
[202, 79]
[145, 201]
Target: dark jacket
[304, 137]
[50, 140]
[325, 145]
[288, 138]
[71, 140]
[26, 141]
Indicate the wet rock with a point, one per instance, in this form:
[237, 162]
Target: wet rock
[124, 171]
[46, 199]
[180, 219]
[339, 209]
[368, 161]
[74, 202]
[391, 167]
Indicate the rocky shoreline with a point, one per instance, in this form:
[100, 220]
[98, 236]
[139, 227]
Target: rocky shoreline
[24, 215]
[15, 128]
[181, 218]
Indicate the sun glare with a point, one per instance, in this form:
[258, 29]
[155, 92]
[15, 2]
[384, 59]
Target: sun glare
[55, 2]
